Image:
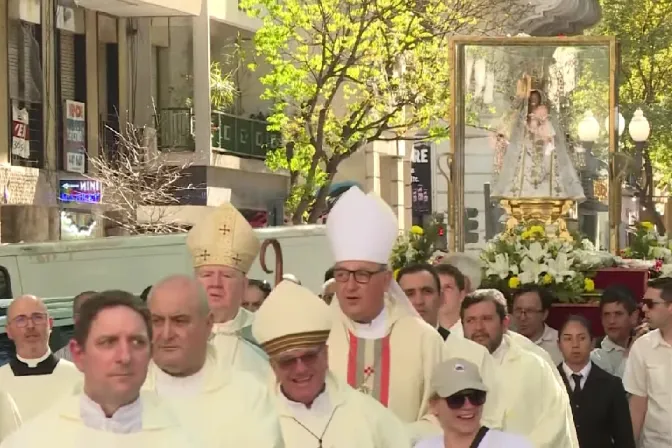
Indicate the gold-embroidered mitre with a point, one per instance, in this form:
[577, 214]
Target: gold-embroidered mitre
[224, 238]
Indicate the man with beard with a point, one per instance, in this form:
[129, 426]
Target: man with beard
[533, 402]
[226, 409]
[223, 247]
[378, 342]
[111, 346]
[34, 377]
[317, 409]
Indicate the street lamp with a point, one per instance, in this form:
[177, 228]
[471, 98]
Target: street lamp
[639, 130]
[589, 132]
[621, 124]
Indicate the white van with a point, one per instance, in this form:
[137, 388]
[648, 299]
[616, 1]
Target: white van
[66, 268]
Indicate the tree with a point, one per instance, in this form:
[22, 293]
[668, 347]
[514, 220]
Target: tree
[644, 28]
[134, 177]
[346, 73]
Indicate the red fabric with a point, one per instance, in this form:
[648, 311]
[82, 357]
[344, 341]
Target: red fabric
[385, 374]
[352, 361]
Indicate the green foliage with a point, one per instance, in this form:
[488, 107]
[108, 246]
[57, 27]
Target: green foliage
[345, 73]
[222, 88]
[418, 245]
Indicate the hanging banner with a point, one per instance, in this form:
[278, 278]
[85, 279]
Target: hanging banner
[421, 178]
[74, 137]
[20, 138]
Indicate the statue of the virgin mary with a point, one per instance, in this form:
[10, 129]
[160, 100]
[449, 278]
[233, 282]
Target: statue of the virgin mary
[536, 163]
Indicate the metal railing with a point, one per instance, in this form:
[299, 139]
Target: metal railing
[175, 129]
[242, 136]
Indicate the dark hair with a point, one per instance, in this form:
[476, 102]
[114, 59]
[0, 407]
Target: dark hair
[420, 267]
[664, 284]
[458, 276]
[263, 286]
[483, 296]
[105, 300]
[145, 293]
[78, 298]
[329, 274]
[546, 297]
[579, 320]
[619, 294]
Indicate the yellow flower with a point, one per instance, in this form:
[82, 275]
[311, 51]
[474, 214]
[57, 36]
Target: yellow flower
[526, 235]
[589, 285]
[646, 225]
[396, 273]
[539, 230]
[514, 282]
[417, 230]
[547, 280]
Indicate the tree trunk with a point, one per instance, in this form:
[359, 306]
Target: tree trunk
[647, 196]
[320, 200]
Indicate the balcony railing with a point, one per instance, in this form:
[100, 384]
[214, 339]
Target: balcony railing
[242, 136]
[175, 129]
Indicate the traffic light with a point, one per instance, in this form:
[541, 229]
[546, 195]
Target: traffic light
[442, 237]
[470, 225]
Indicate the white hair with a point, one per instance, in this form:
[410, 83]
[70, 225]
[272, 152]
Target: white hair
[327, 284]
[291, 278]
[495, 294]
[468, 265]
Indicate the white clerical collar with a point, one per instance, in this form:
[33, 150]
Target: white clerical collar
[321, 406]
[501, 351]
[375, 329]
[583, 372]
[177, 386]
[127, 419]
[32, 363]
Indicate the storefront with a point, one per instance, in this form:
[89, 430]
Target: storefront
[79, 200]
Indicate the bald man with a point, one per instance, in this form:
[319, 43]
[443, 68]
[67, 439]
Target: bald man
[226, 407]
[34, 377]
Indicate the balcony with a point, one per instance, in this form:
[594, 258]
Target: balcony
[175, 129]
[143, 8]
[242, 136]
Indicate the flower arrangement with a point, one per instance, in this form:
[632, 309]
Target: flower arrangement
[538, 255]
[417, 245]
[647, 244]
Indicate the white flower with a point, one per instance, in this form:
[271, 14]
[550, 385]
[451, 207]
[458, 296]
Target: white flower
[666, 270]
[561, 268]
[536, 252]
[586, 244]
[531, 270]
[501, 267]
[661, 253]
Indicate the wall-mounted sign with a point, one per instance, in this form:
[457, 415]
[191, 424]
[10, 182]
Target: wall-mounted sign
[74, 137]
[80, 191]
[421, 178]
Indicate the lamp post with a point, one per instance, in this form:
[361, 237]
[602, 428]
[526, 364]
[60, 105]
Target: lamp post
[589, 132]
[639, 130]
[621, 124]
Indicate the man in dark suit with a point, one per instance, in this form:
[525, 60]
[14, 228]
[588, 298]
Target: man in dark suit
[599, 404]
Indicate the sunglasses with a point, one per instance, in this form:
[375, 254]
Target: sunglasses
[650, 303]
[457, 401]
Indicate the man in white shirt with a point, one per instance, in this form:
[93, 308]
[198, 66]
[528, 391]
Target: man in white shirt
[111, 346]
[458, 395]
[35, 378]
[316, 408]
[227, 408]
[531, 305]
[223, 247]
[532, 400]
[649, 368]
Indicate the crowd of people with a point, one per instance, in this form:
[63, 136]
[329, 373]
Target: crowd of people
[426, 359]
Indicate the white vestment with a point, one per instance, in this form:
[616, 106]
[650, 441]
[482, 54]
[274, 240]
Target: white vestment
[10, 419]
[233, 351]
[227, 408]
[72, 424]
[526, 344]
[33, 393]
[532, 402]
[340, 417]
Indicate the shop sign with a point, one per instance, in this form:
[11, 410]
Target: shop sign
[80, 191]
[74, 137]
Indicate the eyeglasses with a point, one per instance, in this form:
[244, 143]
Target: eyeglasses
[307, 359]
[651, 303]
[21, 321]
[457, 401]
[361, 276]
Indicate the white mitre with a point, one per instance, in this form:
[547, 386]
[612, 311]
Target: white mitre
[290, 318]
[363, 227]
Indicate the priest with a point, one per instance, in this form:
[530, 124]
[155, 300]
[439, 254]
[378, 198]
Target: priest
[316, 408]
[34, 377]
[230, 408]
[378, 342]
[223, 247]
[111, 346]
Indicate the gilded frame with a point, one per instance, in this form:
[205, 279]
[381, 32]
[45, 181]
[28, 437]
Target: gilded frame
[457, 119]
